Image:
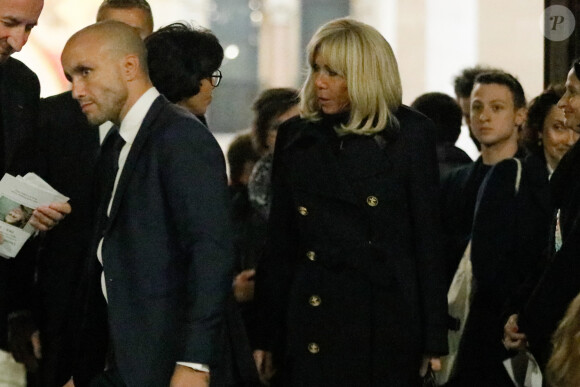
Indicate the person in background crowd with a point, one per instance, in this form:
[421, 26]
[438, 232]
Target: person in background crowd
[548, 138]
[135, 13]
[271, 109]
[509, 230]
[463, 85]
[446, 115]
[353, 230]
[241, 157]
[459, 188]
[546, 133]
[533, 326]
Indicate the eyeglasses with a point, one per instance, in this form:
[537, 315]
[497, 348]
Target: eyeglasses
[215, 78]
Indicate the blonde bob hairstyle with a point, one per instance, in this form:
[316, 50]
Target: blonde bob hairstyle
[562, 369]
[360, 54]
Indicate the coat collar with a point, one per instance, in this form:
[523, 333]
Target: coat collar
[315, 146]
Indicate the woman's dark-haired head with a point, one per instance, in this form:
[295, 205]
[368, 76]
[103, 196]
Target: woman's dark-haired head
[538, 110]
[271, 104]
[445, 113]
[546, 132]
[180, 57]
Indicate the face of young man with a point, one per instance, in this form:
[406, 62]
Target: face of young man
[97, 83]
[17, 18]
[570, 101]
[494, 119]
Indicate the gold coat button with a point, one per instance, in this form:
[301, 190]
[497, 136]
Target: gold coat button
[315, 300]
[311, 255]
[313, 348]
[303, 211]
[372, 201]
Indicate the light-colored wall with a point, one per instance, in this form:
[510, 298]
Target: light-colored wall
[61, 18]
[434, 39]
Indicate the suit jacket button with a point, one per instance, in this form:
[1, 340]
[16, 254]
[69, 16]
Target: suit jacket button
[313, 348]
[372, 201]
[314, 300]
[303, 211]
[311, 255]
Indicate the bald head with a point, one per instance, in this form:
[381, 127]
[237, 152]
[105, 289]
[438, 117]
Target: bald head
[117, 38]
[107, 66]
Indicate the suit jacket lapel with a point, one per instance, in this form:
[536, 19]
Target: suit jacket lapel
[144, 132]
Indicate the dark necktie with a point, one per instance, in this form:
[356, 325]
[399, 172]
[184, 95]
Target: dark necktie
[107, 168]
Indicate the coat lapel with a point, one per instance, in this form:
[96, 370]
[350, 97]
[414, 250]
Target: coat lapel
[316, 169]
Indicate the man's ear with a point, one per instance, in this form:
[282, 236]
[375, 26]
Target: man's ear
[131, 67]
[521, 115]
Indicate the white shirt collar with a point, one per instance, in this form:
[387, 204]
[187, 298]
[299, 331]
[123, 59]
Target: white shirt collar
[135, 116]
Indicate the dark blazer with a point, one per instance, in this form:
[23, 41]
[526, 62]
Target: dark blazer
[559, 283]
[509, 233]
[167, 253]
[352, 279]
[69, 146]
[19, 96]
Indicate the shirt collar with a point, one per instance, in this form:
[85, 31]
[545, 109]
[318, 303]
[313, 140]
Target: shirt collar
[135, 116]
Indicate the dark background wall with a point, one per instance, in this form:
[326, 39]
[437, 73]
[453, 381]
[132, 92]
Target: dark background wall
[230, 20]
[558, 55]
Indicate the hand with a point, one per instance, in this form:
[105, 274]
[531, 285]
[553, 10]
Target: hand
[46, 217]
[70, 383]
[188, 377]
[512, 339]
[244, 286]
[265, 366]
[435, 365]
[23, 340]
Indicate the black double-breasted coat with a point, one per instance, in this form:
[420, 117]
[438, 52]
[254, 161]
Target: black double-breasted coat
[351, 288]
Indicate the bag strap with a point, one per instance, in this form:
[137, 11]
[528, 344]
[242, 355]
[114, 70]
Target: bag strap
[518, 175]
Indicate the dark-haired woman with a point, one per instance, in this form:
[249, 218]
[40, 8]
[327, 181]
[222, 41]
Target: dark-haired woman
[546, 133]
[184, 65]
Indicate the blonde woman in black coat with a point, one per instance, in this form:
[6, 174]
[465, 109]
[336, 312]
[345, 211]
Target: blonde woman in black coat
[351, 287]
